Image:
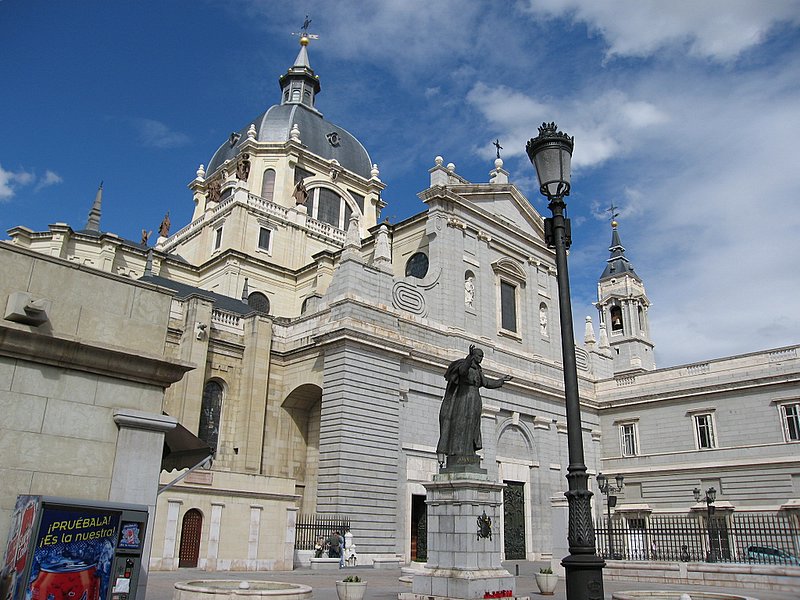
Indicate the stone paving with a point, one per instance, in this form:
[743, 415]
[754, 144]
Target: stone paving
[384, 584]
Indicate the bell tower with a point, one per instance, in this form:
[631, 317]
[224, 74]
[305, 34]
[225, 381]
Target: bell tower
[623, 307]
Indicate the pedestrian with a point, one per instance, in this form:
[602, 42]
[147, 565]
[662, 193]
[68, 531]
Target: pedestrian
[341, 550]
[334, 545]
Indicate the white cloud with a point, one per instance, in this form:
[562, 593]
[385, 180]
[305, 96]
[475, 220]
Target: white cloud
[10, 181]
[156, 134]
[716, 29]
[50, 178]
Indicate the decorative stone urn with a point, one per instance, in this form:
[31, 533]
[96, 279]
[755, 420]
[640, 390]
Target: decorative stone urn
[547, 583]
[351, 590]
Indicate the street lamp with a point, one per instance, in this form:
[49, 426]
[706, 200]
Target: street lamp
[608, 490]
[551, 153]
[710, 497]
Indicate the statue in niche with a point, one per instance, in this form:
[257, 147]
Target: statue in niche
[163, 228]
[243, 168]
[469, 291]
[213, 190]
[460, 413]
[543, 320]
[300, 193]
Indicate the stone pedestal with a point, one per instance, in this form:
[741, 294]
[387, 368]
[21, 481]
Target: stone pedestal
[461, 564]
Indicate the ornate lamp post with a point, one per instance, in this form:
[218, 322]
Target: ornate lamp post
[608, 490]
[710, 497]
[551, 153]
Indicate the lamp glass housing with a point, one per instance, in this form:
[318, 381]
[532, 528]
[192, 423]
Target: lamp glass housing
[552, 161]
[620, 481]
[601, 481]
[696, 492]
[712, 494]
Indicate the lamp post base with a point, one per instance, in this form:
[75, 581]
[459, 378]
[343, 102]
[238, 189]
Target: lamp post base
[584, 574]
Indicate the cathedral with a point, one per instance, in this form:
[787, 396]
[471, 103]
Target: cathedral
[314, 337]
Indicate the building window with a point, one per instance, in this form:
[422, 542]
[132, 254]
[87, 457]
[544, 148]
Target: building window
[329, 207]
[258, 302]
[627, 439]
[417, 265]
[508, 306]
[616, 320]
[268, 185]
[704, 431]
[791, 421]
[210, 413]
[265, 239]
[217, 238]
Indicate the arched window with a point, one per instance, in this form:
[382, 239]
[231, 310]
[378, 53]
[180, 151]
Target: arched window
[417, 265]
[329, 207]
[268, 184]
[616, 319]
[258, 302]
[210, 413]
[641, 318]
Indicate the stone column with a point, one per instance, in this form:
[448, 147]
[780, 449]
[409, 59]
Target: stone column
[168, 562]
[213, 536]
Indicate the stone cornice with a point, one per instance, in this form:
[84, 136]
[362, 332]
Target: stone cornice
[92, 358]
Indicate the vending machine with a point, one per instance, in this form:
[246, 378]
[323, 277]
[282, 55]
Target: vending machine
[64, 549]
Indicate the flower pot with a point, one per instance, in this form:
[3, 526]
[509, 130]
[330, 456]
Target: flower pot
[351, 591]
[547, 583]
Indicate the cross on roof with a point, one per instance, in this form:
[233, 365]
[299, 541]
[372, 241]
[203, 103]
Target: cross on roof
[497, 145]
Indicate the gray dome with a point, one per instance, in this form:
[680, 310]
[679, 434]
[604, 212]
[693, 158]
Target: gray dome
[275, 124]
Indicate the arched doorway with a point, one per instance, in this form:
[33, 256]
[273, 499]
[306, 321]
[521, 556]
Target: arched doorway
[190, 538]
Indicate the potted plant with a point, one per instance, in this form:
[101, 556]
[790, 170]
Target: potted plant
[546, 581]
[351, 588]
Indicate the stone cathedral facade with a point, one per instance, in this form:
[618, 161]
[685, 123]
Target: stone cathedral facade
[319, 336]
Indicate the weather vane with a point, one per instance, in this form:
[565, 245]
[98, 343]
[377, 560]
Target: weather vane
[497, 145]
[614, 214]
[303, 33]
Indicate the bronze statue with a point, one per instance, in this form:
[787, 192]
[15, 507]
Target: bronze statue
[300, 193]
[243, 168]
[163, 229]
[213, 190]
[460, 413]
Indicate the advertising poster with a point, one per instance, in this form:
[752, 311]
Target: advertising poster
[19, 537]
[73, 552]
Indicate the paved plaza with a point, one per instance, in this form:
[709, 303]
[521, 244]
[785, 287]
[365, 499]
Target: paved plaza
[384, 584]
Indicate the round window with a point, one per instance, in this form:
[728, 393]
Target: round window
[417, 265]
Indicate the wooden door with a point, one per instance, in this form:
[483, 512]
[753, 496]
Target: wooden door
[190, 538]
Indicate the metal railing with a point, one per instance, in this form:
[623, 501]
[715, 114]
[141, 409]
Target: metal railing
[760, 538]
[310, 528]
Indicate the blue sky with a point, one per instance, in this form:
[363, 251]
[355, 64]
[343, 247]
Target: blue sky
[685, 114]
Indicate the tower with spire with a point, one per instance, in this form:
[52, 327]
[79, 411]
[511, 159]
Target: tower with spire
[623, 307]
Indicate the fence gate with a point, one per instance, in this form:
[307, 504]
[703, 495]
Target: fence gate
[514, 520]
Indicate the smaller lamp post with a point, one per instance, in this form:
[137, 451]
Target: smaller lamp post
[608, 490]
[710, 497]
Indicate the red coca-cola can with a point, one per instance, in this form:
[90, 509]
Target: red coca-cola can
[67, 582]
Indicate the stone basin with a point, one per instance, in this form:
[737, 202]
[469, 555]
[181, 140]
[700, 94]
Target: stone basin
[677, 595]
[224, 589]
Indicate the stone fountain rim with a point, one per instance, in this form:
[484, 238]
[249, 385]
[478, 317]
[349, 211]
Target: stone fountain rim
[671, 594]
[290, 589]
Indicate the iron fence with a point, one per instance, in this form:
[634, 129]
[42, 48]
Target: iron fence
[311, 527]
[762, 538]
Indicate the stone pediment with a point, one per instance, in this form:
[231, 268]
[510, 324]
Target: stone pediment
[501, 206]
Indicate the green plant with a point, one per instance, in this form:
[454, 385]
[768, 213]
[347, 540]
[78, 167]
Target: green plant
[546, 571]
[352, 579]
